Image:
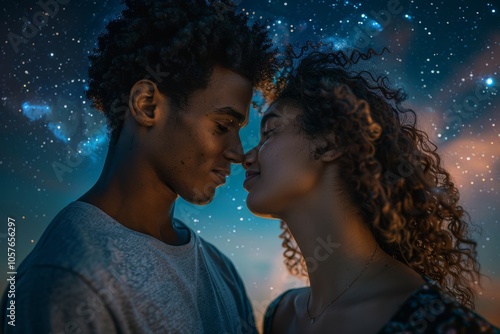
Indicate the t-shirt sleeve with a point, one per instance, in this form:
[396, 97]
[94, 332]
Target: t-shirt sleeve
[248, 322]
[271, 311]
[225, 268]
[54, 300]
[247, 319]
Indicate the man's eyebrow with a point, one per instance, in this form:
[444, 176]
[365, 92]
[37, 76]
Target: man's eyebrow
[231, 112]
[267, 117]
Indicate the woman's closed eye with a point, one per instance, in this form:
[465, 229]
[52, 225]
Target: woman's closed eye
[266, 134]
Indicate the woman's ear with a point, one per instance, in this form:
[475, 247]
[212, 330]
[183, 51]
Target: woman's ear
[143, 100]
[331, 155]
[330, 151]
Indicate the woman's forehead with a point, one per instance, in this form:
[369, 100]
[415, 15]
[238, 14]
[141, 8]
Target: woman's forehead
[284, 107]
[284, 110]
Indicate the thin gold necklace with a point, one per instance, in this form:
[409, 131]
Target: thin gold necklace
[312, 319]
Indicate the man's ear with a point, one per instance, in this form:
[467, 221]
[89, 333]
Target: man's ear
[144, 97]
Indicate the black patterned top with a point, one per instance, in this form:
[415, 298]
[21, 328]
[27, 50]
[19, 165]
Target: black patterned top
[428, 310]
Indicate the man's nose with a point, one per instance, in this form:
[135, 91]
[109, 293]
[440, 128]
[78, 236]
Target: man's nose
[249, 158]
[234, 153]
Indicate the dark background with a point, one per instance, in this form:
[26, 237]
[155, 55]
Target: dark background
[443, 53]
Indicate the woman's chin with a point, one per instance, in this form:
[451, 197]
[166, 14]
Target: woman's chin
[259, 207]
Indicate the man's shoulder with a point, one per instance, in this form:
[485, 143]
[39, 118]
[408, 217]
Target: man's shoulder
[76, 237]
[50, 297]
[84, 241]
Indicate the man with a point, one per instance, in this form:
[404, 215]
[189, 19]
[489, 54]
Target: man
[116, 260]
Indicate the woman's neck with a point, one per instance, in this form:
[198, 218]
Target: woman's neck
[336, 244]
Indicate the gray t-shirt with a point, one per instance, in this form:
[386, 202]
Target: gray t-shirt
[90, 274]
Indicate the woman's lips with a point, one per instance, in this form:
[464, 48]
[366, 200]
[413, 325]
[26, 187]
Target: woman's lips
[249, 180]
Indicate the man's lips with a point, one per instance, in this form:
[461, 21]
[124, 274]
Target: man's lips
[221, 175]
[250, 175]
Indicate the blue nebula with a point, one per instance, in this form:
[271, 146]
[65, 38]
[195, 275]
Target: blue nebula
[337, 42]
[35, 112]
[59, 131]
[374, 25]
[93, 143]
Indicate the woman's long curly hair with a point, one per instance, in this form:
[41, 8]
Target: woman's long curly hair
[176, 44]
[390, 170]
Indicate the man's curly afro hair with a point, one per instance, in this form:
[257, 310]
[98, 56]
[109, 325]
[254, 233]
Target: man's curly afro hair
[176, 44]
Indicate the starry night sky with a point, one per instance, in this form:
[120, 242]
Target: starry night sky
[445, 54]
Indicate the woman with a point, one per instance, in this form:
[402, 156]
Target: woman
[372, 218]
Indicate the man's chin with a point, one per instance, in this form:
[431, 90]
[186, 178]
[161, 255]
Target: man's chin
[201, 201]
[200, 197]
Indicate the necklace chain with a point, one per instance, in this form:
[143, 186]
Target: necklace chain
[312, 319]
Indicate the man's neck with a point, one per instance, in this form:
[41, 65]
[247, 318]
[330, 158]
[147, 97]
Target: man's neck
[136, 199]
